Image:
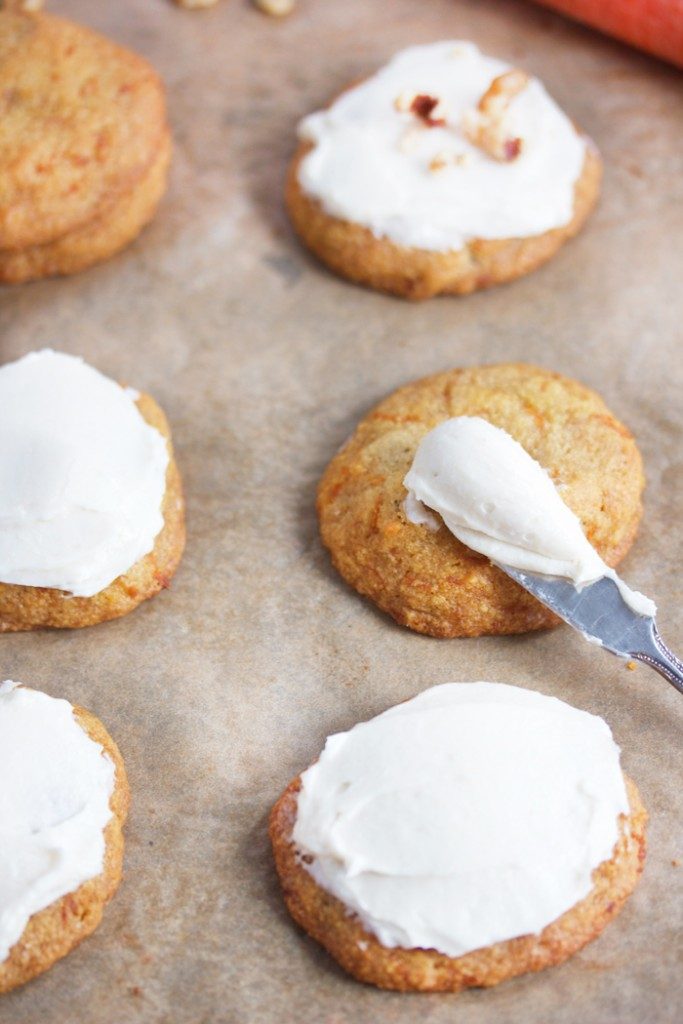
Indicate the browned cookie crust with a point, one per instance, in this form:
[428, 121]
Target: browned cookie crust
[23, 608]
[98, 239]
[55, 931]
[81, 122]
[430, 581]
[354, 252]
[84, 146]
[360, 953]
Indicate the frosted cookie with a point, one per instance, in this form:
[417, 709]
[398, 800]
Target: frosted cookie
[412, 564]
[472, 834]
[84, 146]
[61, 822]
[91, 507]
[444, 172]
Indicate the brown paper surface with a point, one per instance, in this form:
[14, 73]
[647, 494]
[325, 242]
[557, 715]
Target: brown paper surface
[224, 687]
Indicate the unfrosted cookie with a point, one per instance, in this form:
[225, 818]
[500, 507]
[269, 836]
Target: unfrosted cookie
[84, 145]
[80, 584]
[427, 579]
[473, 834]
[445, 172]
[75, 782]
[98, 239]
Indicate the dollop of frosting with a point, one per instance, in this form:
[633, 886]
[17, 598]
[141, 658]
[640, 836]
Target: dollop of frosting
[418, 180]
[82, 476]
[474, 813]
[54, 806]
[495, 498]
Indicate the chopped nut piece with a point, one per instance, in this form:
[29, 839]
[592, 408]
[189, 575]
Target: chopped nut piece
[403, 102]
[485, 127]
[442, 160]
[502, 91]
[425, 107]
[512, 148]
[193, 5]
[29, 6]
[275, 8]
[439, 162]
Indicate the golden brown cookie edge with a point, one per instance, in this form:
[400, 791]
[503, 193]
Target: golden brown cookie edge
[370, 562]
[26, 608]
[353, 252]
[22, 224]
[53, 932]
[97, 240]
[327, 920]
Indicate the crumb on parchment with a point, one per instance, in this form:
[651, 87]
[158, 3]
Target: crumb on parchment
[195, 5]
[29, 6]
[275, 8]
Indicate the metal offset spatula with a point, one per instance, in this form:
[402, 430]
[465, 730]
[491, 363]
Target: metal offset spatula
[601, 614]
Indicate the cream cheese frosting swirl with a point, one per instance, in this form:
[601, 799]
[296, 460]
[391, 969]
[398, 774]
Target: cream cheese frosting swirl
[472, 814]
[82, 476]
[423, 183]
[54, 806]
[495, 498]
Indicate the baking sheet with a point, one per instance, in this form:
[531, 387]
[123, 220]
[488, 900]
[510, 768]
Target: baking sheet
[224, 687]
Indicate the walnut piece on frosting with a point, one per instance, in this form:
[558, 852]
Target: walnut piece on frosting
[429, 109]
[443, 160]
[439, 162]
[485, 126]
[403, 102]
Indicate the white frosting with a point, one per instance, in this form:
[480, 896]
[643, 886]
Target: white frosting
[495, 498]
[82, 476]
[54, 806]
[474, 813]
[370, 161]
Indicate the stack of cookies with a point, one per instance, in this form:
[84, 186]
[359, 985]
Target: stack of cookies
[84, 146]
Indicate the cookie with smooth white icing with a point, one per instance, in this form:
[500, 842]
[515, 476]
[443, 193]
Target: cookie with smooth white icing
[445, 172]
[472, 834]
[92, 512]
[84, 145]
[61, 824]
[426, 578]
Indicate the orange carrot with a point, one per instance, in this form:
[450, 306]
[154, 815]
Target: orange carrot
[652, 25]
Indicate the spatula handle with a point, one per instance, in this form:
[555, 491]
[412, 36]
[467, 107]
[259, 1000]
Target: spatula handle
[662, 660]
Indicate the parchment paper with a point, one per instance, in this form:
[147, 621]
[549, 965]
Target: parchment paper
[223, 688]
